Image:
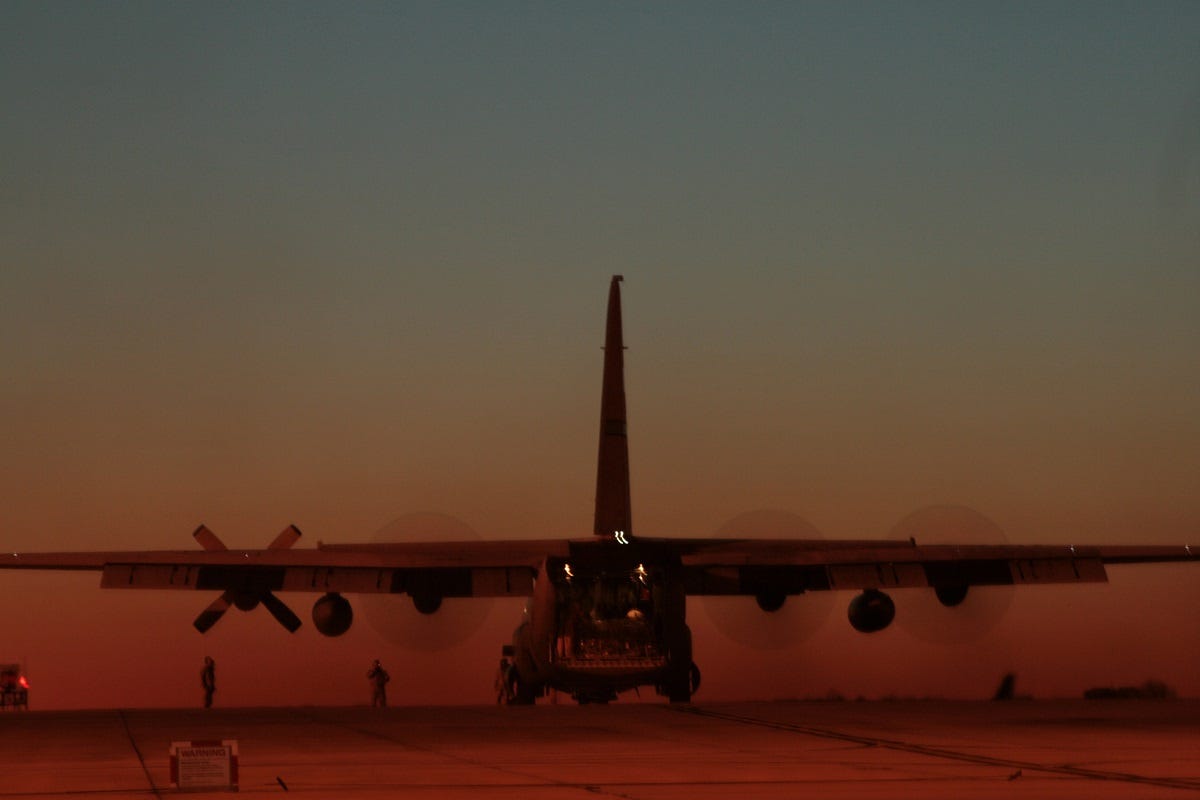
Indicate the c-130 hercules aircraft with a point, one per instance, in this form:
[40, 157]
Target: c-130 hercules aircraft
[606, 613]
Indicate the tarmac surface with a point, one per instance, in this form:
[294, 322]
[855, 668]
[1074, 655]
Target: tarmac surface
[919, 749]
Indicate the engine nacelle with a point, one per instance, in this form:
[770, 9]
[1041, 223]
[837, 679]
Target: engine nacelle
[245, 601]
[332, 614]
[871, 611]
[950, 596]
[770, 599]
[427, 602]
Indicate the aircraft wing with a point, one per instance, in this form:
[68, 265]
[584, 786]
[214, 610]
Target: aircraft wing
[746, 566]
[447, 569]
[507, 568]
[769, 570]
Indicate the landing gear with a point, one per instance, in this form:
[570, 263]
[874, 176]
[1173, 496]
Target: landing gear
[684, 677]
[681, 687]
[526, 693]
[523, 690]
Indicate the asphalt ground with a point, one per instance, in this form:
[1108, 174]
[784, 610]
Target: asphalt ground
[919, 749]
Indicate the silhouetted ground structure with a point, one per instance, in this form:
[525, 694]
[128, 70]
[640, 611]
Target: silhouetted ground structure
[1152, 690]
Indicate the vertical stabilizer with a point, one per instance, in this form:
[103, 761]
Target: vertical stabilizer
[612, 468]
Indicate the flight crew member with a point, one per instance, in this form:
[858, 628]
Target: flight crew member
[208, 680]
[504, 682]
[379, 678]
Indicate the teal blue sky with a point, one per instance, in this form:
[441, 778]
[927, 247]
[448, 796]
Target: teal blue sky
[292, 262]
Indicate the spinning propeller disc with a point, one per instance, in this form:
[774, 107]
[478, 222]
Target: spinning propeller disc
[396, 619]
[920, 613]
[740, 618]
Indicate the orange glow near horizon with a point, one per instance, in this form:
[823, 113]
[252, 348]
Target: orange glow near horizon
[340, 267]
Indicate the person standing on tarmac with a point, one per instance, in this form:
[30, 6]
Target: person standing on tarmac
[503, 682]
[379, 678]
[208, 680]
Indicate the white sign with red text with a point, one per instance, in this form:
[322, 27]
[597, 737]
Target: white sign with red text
[198, 765]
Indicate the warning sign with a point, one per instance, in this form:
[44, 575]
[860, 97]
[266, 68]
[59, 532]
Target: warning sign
[204, 765]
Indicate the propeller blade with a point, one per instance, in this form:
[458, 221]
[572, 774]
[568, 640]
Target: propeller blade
[286, 538]
[281, 612]
[207, 539]
[216, 609]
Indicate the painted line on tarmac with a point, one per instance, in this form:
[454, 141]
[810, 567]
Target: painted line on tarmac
[138, 751]
[940, 752]
[539, 781]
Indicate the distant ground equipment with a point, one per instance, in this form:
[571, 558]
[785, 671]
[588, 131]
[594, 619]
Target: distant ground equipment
[14, 688]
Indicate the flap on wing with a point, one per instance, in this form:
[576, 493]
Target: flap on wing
[1058, 570]
[149, 576]
[750, 580]
[461, 582]
[876, 576]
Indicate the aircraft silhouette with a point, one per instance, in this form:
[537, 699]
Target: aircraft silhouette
[606, 613]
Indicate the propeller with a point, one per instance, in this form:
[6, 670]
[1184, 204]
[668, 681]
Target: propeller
[252, 589]
[397, 619]
[740, 618]
[922, 613]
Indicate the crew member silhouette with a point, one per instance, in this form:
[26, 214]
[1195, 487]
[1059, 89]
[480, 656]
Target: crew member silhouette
[503, 683]
[379, 678]
[208, 680]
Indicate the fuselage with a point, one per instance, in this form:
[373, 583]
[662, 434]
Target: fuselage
[605, 619]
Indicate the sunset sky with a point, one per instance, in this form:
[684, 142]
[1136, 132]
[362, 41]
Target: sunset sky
[276, 263]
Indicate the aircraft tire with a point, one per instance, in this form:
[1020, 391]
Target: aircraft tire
[678, 690]
[679, 683]
[526, 693]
